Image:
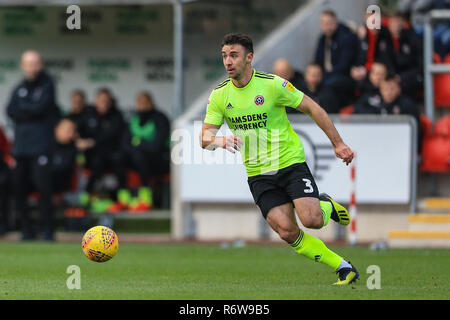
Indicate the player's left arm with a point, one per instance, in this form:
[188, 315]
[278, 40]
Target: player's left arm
[321, 118]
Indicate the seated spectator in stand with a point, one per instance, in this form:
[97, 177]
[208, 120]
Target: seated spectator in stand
[390, 100]
[374, 45]
[408, 60]
[416, 12]
[283, 69]
[7, 163]
[371, 83]
[145, 148]
[313, 87]
[79, 114]
[63, 155]
[336, 52]
[105, 125]
[78, 106]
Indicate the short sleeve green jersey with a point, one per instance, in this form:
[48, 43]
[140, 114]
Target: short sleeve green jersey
[256, 114]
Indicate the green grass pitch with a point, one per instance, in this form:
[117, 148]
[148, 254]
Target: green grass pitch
[200, 271]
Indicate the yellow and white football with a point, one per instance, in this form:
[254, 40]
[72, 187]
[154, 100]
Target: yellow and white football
[100, 244]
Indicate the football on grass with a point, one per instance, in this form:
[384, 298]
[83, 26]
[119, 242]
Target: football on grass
[100, 244]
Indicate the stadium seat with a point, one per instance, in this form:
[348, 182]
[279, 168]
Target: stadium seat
[436, 144]
[441, 85]
[426, 126]
[436, 154]
[442, 127]
[347, 110]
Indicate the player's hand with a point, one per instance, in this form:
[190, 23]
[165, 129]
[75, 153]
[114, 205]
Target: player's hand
[343, 152]
[231, 143]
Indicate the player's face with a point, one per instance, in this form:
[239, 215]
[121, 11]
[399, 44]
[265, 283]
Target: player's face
[236, 60]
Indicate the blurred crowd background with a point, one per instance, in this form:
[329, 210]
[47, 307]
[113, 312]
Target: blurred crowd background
[112, 158]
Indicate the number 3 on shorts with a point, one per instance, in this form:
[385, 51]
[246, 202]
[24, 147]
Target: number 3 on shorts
[308, 185]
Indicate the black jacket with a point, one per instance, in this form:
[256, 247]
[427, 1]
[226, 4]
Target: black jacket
[383, 52]
[148, 131]
[33, 109]
[374, 104]
[106, 130]
[409, 55]
[343, 50]
[63, 159]
[323, 95]
[80, 119]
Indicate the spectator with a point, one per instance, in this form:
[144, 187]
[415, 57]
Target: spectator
[283, 69]
[7, 162]
[77, 105]
[371, 83]
[335, 53]
[34, 113]
[146, 150]
[374, 45]
[408, 59]
[105, 126]
[63, 155]
[416, 12]
[79, 114]
[313, 87]
[390, 100]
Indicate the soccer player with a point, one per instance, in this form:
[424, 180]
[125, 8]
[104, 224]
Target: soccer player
[253, 105]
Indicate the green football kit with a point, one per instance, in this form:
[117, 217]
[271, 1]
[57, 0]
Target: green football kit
[256, 114]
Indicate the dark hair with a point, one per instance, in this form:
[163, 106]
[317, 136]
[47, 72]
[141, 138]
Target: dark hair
[78, 92]
[398, 14]
[238, 38]
[313, 64]
[392, 77]
[330, 13]
[105, 91]
[66, 119]
[148, 96]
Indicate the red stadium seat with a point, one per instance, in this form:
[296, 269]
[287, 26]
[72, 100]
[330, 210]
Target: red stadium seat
[426, 125]
[436, 145]
[437, 58]
[441, 86]
[436, 154]
[442, 127]
[347, 110]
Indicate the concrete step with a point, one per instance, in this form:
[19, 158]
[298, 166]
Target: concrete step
[419, 238]
[441, 205]
[429, 222]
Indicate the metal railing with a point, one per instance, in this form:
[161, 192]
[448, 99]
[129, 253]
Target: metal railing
[430, 67]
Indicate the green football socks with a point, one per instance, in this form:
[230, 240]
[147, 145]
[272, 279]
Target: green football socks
[326, 208]
[314, 249]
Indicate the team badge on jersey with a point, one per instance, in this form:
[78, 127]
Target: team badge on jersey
[259, 100]
[288, 86]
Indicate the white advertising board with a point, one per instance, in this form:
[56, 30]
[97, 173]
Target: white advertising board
[383, 164]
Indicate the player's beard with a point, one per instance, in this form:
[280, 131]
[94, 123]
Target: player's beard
[238, 73]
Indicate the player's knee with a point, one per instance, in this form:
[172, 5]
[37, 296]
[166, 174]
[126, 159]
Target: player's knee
[288, 234]
[313, 221]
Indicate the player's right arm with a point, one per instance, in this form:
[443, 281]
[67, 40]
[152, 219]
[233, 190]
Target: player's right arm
[211, 125]
[210, 141]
